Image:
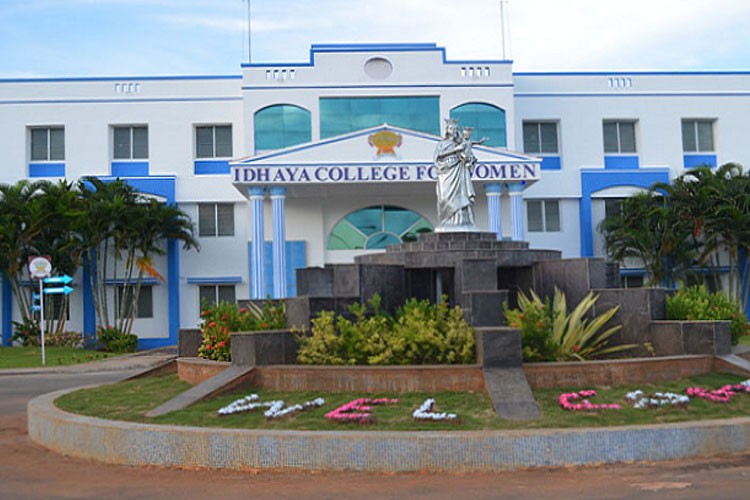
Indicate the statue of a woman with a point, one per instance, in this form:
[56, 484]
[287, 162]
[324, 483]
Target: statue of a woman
[455, 193]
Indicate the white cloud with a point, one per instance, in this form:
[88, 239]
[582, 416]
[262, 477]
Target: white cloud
[638, 33]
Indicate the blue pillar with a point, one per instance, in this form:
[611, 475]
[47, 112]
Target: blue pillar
[494, 216]
[89, 311]
[278, 198]
[173, 289]
[516, 211]
[257, 258]
[7, 309]
[585, 224]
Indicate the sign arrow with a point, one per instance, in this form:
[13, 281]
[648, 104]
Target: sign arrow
[60, 289]
[58, 280]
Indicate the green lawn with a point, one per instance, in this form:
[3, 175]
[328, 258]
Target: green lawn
[745, 340]
[129, 400]
[31, 357]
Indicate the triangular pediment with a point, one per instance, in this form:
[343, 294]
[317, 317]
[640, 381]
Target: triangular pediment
[375, 155]
[384, 143]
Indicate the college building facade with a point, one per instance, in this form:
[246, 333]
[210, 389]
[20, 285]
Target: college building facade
[297, 165]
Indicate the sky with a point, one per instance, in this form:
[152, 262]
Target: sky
[75, 38]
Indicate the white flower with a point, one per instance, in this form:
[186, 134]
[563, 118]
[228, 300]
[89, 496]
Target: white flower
[424, 412]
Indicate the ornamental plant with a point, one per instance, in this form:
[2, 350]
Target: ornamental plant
[534, 319]
[553, 333]
[113, 339]
[419, 333]
[27, 332]
[696, 303]
[220, 320]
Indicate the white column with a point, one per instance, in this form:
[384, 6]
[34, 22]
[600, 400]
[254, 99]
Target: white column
[516, 211]
[257, 257]
[278, 197]
[493, 208]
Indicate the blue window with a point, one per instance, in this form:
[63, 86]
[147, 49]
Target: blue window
[377, 227]
[281, 126]
[486, 119]
[341, 115]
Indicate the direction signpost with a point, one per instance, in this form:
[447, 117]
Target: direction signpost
[40, 269]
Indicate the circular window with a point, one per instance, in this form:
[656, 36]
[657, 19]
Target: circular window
[379, 68]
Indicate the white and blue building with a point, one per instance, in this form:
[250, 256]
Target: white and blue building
[285, 166]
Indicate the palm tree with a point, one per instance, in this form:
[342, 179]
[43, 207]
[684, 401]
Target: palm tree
[59, 206]
[20, 223]
[152, 224]
[646, 229]
[122, 233]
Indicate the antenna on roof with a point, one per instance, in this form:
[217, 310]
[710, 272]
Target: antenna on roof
[249, 45]
[504, 29]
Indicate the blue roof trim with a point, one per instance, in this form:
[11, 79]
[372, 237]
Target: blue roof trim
[405, 86]
[111, 101]
[628, 73]
[118, 78]
[626, 93]
[349, 47]
[276, 65]
[133, 281]
[215, 280]
[328, 48]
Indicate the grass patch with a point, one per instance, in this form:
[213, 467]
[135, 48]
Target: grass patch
[31, 357]
[130, 400]
[127, 400]
[745, 340]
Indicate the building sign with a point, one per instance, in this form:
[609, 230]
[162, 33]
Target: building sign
[381, 172]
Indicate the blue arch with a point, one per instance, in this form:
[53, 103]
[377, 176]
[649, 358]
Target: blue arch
[593, 181]
[281, 125]
[486, 119]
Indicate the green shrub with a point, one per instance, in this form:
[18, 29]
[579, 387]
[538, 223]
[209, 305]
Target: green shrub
[551, 333]
[64, 339]
[112, 339]
[220, 320]
[419, 333]
[534, 319]
[26, 332]
[695, 303]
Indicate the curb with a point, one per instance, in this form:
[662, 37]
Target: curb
[444, 451]
[138, 360]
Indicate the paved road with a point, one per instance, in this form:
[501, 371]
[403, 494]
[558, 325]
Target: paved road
[29, 471]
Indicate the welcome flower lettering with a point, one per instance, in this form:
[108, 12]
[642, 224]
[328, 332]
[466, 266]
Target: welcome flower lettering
[566, 402]
[426, 412]
[721, 395]
[358, 410]
[276, 409]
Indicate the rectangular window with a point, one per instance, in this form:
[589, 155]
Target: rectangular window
[47, 143]
[213, 141]
[143, 309]
[612, 207]
[619, 136]
[543, 215]
[697, 136]
[216, 219]
[213, 294]
[540, 137]
[130, 143]
[341, 115]
[635, 281]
